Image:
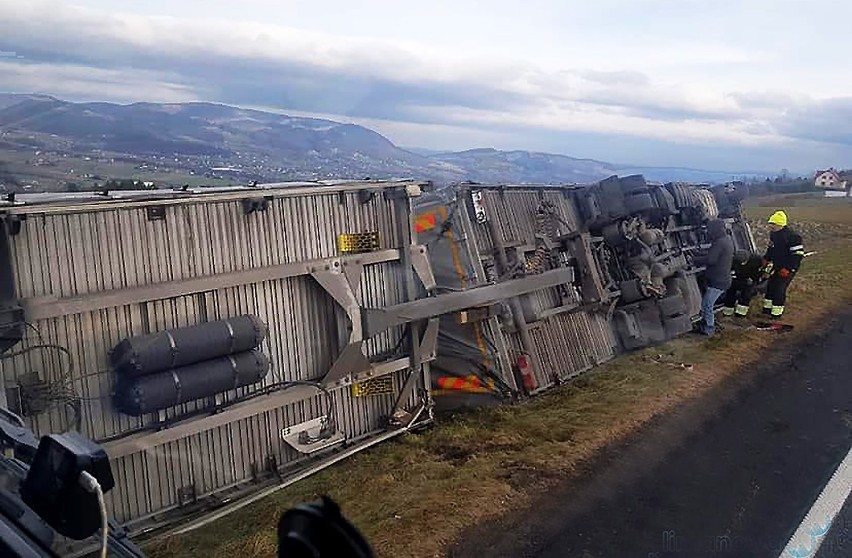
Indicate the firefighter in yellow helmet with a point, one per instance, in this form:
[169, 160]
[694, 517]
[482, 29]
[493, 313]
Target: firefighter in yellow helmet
[781, 261]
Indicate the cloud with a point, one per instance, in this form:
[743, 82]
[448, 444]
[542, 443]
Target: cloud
[86, 82]
[824, 120]
[399, 83]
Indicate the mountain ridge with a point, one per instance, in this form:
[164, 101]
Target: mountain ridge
[273, 146]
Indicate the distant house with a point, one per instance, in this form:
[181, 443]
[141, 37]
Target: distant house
[830, 180]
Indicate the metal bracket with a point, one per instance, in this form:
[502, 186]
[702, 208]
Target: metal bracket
[365, 196]
[254, 205]
[420, 263]
[350, 361]
[354, 271]
[591, 283]
[377, 320]
[337, 284]
[156, 212]
[479, 210]
[308, 437]
[13, 223]
[402, 418]
[427, 348]
[478, 314]
[429, 342]
[395, 193]
[186, 495]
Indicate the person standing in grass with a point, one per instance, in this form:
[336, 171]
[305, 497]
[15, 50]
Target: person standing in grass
[717, 272]
[781, 261]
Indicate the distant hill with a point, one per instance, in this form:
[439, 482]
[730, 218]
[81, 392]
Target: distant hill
[207, 137]
[227, 136]
[492, 165]
[678, 174]
[9, 99]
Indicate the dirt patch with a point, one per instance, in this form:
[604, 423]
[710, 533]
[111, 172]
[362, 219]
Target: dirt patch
[521, 476]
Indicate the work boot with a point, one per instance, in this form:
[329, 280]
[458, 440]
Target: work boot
[741, 311]
[727, 311]
[767, 306]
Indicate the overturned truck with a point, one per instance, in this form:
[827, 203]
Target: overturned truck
[221, 343]
[626, 247]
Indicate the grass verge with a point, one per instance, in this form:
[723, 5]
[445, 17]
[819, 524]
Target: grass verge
[414, 496]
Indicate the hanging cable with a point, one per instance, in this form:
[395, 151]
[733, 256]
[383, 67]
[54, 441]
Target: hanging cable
[90, 484]
[38, 347]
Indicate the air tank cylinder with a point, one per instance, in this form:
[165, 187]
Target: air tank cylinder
[173, 348]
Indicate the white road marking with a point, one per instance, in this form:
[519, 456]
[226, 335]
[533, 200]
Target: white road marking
[817, 522]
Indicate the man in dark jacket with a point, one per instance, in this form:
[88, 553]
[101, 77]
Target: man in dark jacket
[782, 260]
[746, 273]
[717, 272]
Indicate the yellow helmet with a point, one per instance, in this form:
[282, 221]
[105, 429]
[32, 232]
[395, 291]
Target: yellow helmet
[779, 218]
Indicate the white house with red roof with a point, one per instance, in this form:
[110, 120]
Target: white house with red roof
[830, 180]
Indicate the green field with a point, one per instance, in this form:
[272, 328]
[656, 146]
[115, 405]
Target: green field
[52, 172]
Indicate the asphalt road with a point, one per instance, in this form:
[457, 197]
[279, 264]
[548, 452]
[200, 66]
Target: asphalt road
[731, 475]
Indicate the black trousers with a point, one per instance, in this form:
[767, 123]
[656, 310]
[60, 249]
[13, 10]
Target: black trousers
[776, 289]
[740, 292]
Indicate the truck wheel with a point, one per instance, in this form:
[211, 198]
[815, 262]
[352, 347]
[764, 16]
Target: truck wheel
[631, 291]
[672, 306]
[677, 326]
[681, 194]
[638, 202]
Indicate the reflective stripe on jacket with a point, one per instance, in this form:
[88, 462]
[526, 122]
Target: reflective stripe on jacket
[786, 249]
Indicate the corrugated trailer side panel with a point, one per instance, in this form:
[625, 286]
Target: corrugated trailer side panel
[87, 251]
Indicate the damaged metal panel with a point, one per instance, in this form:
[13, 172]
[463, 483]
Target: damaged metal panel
[93, 273]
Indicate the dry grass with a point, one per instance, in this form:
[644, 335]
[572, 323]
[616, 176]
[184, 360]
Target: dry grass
[414, 496]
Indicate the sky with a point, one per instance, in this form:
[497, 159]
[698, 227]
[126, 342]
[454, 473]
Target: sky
[735, 85]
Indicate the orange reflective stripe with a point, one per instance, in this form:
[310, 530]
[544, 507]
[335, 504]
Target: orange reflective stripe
[468, 383]
[446, 382]
[425, 222]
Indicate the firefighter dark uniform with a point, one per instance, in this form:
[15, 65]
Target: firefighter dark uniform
[746, 273]
[782, 260]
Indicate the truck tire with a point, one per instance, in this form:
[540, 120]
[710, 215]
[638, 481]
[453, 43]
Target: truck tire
[672, 306]
[677, 326]
[613, 235]
[631, 291]
[665, 201]
[638, 202]
[590, 207]
[633, 183]
[681, 194]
